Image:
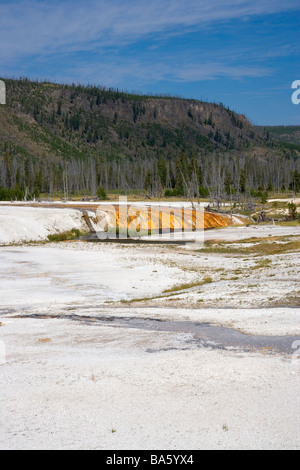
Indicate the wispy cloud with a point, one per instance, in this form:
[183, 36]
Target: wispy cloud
[45, 27]
[181, 72]
[237, 48]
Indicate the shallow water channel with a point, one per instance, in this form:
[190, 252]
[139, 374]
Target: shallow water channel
[201, 335]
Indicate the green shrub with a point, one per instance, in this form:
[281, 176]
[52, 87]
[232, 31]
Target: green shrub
[65, 236]
[11, 194]
[292, 210]
[101, 193]
[177, 192]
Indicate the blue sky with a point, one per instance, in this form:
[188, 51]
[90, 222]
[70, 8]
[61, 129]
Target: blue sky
[245, 54]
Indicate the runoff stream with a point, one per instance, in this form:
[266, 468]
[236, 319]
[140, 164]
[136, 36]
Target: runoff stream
[196, 334]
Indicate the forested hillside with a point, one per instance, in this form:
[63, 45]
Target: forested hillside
[290, 134]
[71, 140]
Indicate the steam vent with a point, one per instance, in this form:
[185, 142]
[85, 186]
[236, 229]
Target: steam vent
[159, 219]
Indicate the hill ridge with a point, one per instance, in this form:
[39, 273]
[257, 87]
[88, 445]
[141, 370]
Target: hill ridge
[54, 137]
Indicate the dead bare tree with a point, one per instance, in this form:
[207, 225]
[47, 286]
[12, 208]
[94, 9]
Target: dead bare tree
[188, 191]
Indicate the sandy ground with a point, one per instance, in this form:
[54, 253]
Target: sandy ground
[71, 382]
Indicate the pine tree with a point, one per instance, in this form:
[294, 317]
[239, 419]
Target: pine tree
[242, 182]
[228, 183]
[148, 181]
